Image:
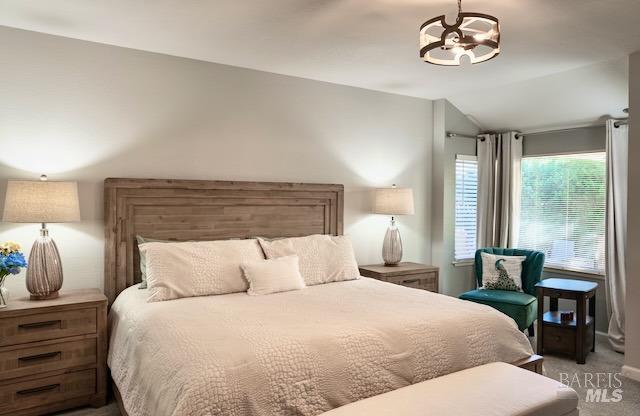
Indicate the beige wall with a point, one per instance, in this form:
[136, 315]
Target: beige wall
[458, 279]
[583, 139]
[86, 111]
[632, 347]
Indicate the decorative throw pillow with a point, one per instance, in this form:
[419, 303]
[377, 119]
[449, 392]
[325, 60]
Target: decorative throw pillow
[274, 275]
[177, 270]
[502, 272]
[323, 258]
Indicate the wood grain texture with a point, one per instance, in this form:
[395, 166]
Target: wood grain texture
[199, 210]
[28, 361]
[68, 299]
[401, 269]
[43, 326]
[53, 353]
[414, 275]
[40, 392]
[531, 363]
[424, 281]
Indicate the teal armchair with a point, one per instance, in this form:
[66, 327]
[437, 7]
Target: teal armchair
[521, 306]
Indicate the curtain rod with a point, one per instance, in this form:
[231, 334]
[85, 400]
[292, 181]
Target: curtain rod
[621, 123]
[462, 136]
[618, 123]
[537, 133]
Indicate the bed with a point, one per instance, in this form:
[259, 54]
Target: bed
[291, 353]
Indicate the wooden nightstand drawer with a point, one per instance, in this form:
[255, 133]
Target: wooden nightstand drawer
[28, 361]
[414, 275]
[425, 281]
[45, 391]
[40, 327]
[559, 340]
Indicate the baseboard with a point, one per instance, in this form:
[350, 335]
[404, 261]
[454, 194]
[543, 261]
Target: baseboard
[631, 372]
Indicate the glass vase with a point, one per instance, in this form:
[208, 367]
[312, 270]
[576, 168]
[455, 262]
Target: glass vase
[4, 293]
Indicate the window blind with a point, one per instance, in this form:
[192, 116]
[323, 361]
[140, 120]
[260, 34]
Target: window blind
[466, 207]
[563, 210]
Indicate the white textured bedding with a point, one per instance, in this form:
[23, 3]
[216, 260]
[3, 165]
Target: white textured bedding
[295, 353]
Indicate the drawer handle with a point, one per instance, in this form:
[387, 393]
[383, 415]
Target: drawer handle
[411, 281]
[38, 389]
[39, 324]
[40, 356]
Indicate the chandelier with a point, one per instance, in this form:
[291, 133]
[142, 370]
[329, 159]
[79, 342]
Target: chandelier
[474, 35]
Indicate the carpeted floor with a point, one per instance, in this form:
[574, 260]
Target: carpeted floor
[109, 410]
[604, 361]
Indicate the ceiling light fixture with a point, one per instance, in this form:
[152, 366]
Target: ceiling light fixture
[474, 35]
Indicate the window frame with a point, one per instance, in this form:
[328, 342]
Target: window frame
[466, 260]
[568, 270]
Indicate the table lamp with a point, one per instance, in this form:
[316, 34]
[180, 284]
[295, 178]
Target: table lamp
[393, 201]
[42, 202]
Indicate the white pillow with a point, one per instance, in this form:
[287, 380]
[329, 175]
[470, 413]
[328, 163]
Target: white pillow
[323, 258]
[271, 276]
[178, 270]
[491, 272]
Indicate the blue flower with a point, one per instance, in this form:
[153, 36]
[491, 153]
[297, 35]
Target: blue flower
[16, 260]
[12, 262]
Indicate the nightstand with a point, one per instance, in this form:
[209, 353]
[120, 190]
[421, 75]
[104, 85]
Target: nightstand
[415, 275]
[575, 337]
[53, 353]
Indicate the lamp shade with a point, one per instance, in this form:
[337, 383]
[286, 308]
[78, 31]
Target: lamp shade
[41, 201]
[394, 201]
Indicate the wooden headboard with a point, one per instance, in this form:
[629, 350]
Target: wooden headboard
[208, 210]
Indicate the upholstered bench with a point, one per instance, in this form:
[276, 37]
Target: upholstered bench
[496, 389]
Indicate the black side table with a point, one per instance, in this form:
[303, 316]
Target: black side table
[574, 338]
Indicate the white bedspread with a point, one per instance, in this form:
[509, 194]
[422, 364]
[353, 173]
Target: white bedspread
[295, 353]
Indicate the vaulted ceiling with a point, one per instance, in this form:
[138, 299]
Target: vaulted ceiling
[364, 43]
[578, 97]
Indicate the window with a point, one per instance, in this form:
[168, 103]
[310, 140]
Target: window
[563, 210]
[466, 207]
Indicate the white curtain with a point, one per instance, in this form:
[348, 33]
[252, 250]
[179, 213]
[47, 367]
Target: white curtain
[617, 164]
[499, 161]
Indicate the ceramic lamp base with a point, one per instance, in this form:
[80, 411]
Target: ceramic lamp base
[392, 245]
[44, 273]
[51, 295]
